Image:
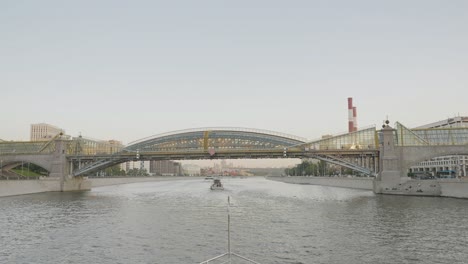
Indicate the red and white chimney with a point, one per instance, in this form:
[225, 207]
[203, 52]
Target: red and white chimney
[352, 116]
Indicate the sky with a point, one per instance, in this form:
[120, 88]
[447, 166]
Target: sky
[127, 70]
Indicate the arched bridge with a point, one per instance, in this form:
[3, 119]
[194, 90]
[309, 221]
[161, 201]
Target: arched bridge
[390, 152]
[236, 143]
[356, 150]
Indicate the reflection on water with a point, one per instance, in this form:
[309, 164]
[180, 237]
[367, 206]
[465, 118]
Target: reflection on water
[272, 222]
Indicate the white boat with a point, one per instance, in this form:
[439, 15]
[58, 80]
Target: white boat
[217, 185]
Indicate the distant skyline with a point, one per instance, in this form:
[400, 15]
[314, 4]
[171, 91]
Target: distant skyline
[126, 70]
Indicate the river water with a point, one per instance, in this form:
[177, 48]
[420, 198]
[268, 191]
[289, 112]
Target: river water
[182, 221]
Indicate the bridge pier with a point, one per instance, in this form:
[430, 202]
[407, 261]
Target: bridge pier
[59, 171]
[75, 184]
[389, 176]
[392, 178]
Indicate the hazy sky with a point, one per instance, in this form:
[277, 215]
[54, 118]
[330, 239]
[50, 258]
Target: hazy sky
[130, 69]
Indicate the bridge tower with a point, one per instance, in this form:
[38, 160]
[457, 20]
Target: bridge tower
[59, 160]
[389, 176]
[60, 170]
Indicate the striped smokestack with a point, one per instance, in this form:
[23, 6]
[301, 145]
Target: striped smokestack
[350, 115]
[354, 118]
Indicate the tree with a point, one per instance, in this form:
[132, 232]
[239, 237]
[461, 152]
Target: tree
[114, 171]
[304, 168]
[137, 172]
[37, 169]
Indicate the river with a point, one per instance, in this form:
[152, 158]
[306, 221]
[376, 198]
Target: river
[182, 221]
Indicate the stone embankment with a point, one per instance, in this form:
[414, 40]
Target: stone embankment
[455, 188]
[44, 184]
[343, 182]
[50, 184]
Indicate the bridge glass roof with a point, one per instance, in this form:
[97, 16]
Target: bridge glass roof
[431, 136]
[362, 139]
[218, 138]
[10, 147]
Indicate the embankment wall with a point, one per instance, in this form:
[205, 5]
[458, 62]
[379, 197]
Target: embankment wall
[448, 188]
[12, 187]
[353, 183]
[48, 184]
[456, 189]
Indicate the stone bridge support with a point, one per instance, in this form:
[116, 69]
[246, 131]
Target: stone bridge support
[57, 165]
[395, 162]
[389, 175]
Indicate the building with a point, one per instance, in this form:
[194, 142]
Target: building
[89, 146]
[446, 166]
[110, 146]
[165, 168]
[442, 167]
[44, 132]
[458, 121]
[191, 170]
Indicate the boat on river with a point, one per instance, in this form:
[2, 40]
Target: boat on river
[217, 185]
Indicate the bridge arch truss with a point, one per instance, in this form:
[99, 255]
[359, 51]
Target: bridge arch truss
[202, 139]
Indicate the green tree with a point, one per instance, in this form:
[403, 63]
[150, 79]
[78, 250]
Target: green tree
[37, 169]
[114, 171]
[137, 172]
[304, 168]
